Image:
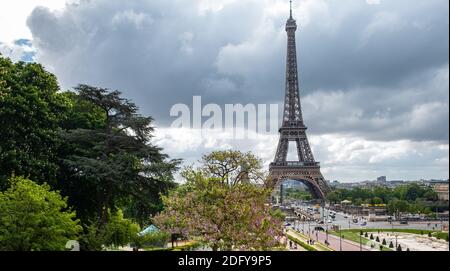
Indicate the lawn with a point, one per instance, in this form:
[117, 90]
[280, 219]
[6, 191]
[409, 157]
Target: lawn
[442, 235]
[351, 235]
[302, 244]
[187, 247]
[354, 235]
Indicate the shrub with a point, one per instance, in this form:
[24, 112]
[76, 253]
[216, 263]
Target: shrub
[302, 244]
[119, 231]
[371, 236]
[153, 240]
[366, 235]
[399, 248]
[378, 239]
[391, 245]
[35, 218]
[384, 242]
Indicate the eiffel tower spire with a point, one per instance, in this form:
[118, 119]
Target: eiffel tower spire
[290, 2]
[293, 129]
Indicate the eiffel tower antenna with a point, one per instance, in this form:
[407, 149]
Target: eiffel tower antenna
[291, 7]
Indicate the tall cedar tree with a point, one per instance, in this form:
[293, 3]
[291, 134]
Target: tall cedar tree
[109, 161]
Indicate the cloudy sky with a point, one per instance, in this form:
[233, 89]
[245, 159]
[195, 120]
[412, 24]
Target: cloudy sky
[374, 73]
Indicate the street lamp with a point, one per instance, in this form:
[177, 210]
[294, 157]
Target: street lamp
[340, 238]
[303, 224]
[309, 229]
[360, 242]
[396, 241]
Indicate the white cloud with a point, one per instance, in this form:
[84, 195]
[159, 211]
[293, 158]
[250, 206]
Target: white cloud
[138, 19]
[382, 22]
[13, 16]
[373, 2]
[186, 42]
[18, 51]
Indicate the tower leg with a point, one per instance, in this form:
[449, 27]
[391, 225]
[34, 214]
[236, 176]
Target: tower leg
[281, 194]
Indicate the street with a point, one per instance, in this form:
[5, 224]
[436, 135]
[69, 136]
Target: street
[345, 222]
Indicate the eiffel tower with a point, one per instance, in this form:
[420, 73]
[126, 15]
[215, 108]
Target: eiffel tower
[305, 169]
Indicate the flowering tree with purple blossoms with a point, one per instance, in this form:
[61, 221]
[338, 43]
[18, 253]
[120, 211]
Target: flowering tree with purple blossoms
[228, 211]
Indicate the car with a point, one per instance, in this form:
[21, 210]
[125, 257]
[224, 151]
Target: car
[364, 223]
[345, 216]
[321, 222]
[319, 229]
[329, 221]
[404, 222]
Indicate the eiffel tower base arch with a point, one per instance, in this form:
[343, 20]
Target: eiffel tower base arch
[311, 177]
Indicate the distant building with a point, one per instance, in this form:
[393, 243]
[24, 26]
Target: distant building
[395, 183]
[442, 190]
[334, 184]
[381, 179]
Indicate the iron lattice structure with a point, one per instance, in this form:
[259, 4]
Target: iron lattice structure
[293, 129]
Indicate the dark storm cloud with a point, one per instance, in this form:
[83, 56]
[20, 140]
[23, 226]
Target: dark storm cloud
[378, 71]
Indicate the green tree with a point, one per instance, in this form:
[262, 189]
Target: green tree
[31, 110]
[431, 195]
[157, 239]
[32, 217]
[376, 200]
[119, 231]
[335, 196]
[108, 161]
[398, 207]
[232, 167]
